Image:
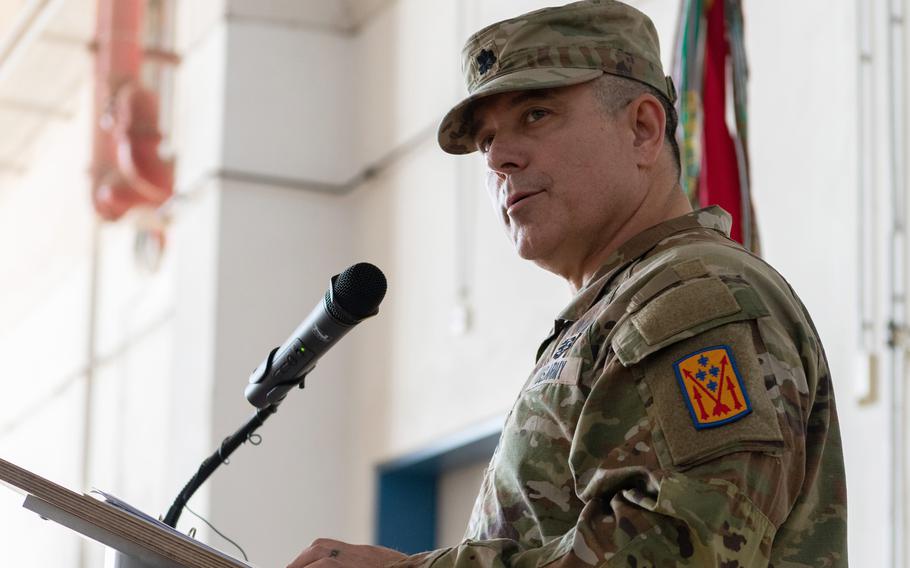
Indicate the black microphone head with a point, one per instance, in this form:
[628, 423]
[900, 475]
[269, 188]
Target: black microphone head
[356, 293]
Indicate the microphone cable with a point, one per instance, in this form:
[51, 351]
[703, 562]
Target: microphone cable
[218, 532]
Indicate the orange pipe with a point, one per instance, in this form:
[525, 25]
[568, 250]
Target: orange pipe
[127, 171]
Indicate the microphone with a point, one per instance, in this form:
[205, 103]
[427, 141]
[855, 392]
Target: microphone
[352, 296]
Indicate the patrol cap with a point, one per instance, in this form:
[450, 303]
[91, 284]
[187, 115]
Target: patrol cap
[555, 47]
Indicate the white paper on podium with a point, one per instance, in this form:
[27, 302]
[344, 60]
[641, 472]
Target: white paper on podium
[124, 506]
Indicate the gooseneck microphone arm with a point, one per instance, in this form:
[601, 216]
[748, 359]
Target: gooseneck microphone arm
[211, 463]
[352, 296]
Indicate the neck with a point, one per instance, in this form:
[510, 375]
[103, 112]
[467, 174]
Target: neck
[657, 207]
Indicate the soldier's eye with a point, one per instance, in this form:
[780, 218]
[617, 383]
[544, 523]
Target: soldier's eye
[535, 114]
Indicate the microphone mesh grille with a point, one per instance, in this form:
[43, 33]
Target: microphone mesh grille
[359, 290]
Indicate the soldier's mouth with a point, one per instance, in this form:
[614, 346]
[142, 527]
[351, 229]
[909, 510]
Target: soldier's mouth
[517, 198]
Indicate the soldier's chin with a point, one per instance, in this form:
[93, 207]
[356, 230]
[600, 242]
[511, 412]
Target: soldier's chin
[539, 253]
[529, 249]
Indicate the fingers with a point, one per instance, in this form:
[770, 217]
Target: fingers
[328, 553]
[320, 554]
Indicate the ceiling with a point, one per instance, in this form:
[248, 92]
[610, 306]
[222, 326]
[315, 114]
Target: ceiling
[45, 58]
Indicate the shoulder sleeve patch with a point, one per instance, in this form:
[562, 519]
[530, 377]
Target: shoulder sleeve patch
[708, 396]
[712, 386]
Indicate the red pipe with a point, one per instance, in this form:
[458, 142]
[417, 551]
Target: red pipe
[126, 169]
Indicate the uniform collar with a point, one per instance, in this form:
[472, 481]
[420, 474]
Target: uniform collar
[712, 217]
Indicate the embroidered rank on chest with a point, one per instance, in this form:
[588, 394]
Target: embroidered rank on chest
[561, 367]
[712, 387]
[564, 347]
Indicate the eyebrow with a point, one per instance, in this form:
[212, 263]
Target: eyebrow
[536, 94]
[520, 98]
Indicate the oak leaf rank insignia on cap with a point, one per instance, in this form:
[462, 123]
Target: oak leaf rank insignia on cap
[712, 387]
[485, 61]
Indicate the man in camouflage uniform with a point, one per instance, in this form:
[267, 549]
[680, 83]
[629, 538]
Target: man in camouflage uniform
[680, 412]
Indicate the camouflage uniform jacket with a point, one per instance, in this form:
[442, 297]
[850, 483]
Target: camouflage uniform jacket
[605, 460]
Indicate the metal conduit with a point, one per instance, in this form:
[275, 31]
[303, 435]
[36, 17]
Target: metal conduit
[867, 258]
[897, 275]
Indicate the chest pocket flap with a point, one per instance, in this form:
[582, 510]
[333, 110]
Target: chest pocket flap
[681, 312]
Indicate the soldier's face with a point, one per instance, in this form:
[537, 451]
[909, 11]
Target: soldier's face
[560, 171]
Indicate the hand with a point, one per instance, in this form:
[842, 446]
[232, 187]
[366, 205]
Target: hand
[328, 553]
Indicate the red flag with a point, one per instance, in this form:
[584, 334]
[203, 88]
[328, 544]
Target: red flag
[719, 179]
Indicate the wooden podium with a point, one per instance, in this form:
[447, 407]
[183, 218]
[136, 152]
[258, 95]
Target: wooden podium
[141, 541]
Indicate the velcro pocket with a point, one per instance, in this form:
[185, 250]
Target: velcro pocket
[681, 312]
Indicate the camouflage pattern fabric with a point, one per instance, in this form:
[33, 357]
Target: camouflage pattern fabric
[555, 47]
[601, 462]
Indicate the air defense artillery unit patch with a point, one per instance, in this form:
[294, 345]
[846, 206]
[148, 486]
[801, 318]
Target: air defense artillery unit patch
[712, 387]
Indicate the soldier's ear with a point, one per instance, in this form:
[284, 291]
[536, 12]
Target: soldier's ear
[647, 120]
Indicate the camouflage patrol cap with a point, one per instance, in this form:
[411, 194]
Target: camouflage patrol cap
[555, 47]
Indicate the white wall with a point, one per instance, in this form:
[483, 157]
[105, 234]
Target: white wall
[45, 228]
[456, 494]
